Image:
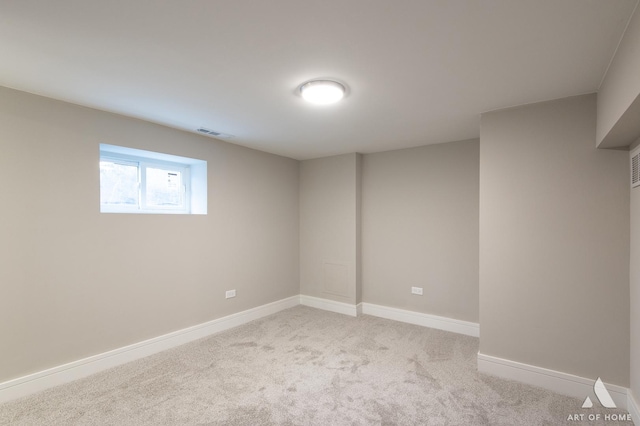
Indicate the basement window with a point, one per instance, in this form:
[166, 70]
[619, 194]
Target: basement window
[137, 181]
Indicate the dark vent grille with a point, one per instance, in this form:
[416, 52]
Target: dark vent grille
[635, 169]
[212, 132]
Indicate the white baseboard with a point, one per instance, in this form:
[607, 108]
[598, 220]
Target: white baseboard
[426, 320]
[329, 305]
[633, 407]
[556, 381]
[75, 370]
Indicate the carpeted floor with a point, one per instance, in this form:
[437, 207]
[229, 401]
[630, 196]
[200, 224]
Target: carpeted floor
[302, 366]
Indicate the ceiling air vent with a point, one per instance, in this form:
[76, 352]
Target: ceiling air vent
[212, 133]
[635, 167]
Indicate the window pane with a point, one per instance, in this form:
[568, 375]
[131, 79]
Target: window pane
[164, 188]
[118, 184]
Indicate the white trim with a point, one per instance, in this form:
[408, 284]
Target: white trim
[329, 305]
[556, 381]
[633, 407]
[426, 320]
[359, 309]
[75, 370]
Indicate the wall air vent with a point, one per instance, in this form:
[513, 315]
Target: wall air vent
[213, 133]
[635, 167]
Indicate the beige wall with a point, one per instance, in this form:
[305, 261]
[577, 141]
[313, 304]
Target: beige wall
[634, 271]
[329, 227]
[420, 229]
[554, 241]
[621, 85]
[74, 282]
[359, 228]
[543, 214]
[618, 123]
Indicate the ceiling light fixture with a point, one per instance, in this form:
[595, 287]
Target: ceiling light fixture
[322, 92]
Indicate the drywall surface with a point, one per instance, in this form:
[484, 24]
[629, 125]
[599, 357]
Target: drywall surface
[420, 229]
[329, 227]
[75, 282]
[554, 241]
[358, 228]
[621, 85]
[634, 279]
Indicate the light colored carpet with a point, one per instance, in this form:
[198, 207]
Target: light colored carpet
[302, 366]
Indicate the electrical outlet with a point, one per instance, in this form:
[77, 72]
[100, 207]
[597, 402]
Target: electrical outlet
[230, 294]
[416, 290]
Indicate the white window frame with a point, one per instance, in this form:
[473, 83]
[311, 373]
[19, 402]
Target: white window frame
[123, 208]
[121, 155]
[184, 186]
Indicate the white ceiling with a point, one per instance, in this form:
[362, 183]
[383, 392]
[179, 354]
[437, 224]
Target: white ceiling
[419, 72]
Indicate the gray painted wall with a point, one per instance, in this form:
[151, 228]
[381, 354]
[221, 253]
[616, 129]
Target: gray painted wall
[621, 85]
[634, 271]
[329, 225]
[74, 282]
[554, 241]
[359, 228]
[420, 228]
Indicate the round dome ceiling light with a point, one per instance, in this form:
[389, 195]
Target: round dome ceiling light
[322, 92]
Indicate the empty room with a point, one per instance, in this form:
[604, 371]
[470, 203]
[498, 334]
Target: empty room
[285, 212]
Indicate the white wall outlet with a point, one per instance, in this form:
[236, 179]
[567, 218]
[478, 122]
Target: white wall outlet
[416, 290]
[230, 294]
